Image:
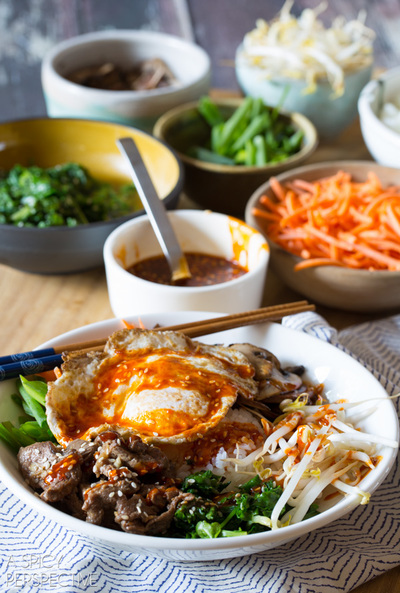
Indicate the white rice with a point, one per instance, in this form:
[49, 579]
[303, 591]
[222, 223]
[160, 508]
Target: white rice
[221, 464]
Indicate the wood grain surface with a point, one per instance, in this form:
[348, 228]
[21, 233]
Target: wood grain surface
[36, 308]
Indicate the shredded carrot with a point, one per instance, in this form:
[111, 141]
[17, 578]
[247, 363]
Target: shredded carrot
[130, 325]
[49, 375]
[335, 221]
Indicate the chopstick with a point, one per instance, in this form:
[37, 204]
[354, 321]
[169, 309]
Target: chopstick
[37, 361]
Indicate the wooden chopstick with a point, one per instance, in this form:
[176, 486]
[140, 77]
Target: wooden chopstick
[28, 363]
[209, 326]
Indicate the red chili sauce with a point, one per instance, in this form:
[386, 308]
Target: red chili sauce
[205, 270]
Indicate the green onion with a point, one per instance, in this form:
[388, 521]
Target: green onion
[254, 135]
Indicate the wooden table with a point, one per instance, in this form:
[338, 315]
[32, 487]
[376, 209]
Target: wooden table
[36, 308]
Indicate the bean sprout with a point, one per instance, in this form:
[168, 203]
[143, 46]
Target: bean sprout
[303, 49]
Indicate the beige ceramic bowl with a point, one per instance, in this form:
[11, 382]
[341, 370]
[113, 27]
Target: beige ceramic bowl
[336, 287]
[223, 188]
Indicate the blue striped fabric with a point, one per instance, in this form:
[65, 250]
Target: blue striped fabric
[39, 556]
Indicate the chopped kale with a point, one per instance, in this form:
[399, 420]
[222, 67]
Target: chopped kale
[64, 195]
[214, 513]
[205, 484]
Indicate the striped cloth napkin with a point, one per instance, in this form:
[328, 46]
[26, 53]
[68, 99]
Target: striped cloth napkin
[37, 555]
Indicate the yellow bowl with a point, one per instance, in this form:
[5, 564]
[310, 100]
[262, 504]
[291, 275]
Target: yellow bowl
[223, 188]
[49, 142]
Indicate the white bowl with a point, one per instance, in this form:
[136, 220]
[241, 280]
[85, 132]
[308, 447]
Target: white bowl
[189, 63]
[342, 376]
[197, 231]
[329, 114]
[382, 142]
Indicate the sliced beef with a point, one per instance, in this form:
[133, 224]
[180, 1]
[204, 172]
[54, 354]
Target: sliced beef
[152, 516]
[35, 462]
[63, 478]
[114, 451]
[112, 481]
[72, 504]
[101, 498]
[86, 449]
[47, 467]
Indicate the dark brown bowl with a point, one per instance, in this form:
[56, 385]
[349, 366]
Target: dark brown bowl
[222, 188]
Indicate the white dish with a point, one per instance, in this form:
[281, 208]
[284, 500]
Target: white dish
[382, 142]
[342, 376]
[198, 231]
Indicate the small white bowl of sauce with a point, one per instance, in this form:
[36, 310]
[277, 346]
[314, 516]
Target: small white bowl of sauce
[227, 258]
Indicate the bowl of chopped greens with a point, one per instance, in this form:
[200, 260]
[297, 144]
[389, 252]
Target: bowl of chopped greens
[231, 146]
[64, 186]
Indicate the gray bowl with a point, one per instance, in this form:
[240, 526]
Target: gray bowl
[48, 142]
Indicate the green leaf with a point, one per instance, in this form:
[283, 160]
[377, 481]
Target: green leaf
[205, 484]
[207, 530]
[36, 389]
[210, 111]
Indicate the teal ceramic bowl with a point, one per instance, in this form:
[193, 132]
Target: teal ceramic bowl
[330, 114]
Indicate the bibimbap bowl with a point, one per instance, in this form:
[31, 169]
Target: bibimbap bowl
[342, 376]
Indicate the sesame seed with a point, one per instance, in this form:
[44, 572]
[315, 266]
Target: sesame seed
[111, 495]
[125, 517]
[70, 467]
[120, 493]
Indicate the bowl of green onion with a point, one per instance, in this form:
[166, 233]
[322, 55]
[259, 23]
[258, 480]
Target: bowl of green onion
[229, 147]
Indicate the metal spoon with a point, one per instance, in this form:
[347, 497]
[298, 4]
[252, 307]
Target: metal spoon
[155, 210]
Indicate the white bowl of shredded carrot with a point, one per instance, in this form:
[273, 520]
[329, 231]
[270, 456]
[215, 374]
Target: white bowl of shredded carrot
[334, 232]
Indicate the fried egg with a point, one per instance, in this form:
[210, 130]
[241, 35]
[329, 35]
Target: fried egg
[162, 386]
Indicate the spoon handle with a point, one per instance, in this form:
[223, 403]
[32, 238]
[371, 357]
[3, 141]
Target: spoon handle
[155, 210]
